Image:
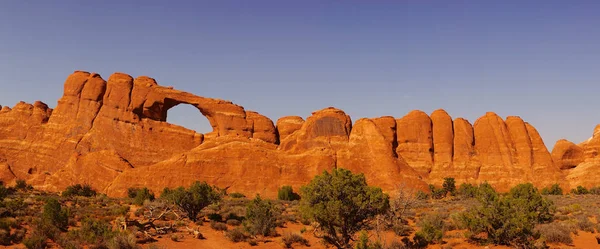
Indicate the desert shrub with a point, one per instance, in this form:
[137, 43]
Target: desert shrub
[122, 241]
[467, 190]
[286, 193]
[343, 203]
[236, 235]
[437, 193]
[261, 217]
[233, 222]
[55, 215]
[22, 185]
[35, 241]
[237, 195]
[252, 242]
[132, 192]
[595, 190]
[401, 206]
[584, 224]
[289, 239]
[234, 216]
[555, 189]
[194, 199]
[93, 232]
[449, 185]
[363, 242]
[3, 191]
[432, 228]
[10, 232]
[215, 217]
[569, 209]
[118, 210]
[421, 195]
[510, 219]
[176, 237]
[79, 190]
[14, 207]
[219, 226]
[580, 190]
[140, 195]
[556, 232]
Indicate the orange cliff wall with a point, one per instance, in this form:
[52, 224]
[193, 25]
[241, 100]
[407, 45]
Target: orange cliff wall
[113, 135]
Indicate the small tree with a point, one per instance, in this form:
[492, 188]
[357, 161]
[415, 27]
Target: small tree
[580, 190]
[286, 193]
[139, 195]
[510, 219]
[261, 217]
[79, 190]
[449, 186]
[555, 189]
[55, 215]
[194, 199]
[342, 204]
[467, 190]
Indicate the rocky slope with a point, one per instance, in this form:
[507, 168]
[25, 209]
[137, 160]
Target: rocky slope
[113, 135]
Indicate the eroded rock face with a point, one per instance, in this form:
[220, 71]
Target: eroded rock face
[288, 125]
[566, 154]
[326, 128]
[415, 143]
[113, 135]
[582, 162]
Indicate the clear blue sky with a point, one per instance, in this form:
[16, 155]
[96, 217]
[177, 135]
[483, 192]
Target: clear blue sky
[539, 60]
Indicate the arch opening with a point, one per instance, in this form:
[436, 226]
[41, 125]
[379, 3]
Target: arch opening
[189, 117]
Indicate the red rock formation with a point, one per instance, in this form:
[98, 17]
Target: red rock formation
[443, 138]
[582, 162]
[113, 135]
[327, 128]
[415, 144]
[288, 125]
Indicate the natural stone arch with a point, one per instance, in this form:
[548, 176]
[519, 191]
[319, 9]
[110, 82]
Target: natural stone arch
[189, 117]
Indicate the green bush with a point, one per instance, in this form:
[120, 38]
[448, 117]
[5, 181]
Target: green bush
[54, 214]
[432, 228]
[363, 242]
[35, 241]
[467, 190]
[194, 199]
[286, 193]
[237, 195]
[261, 217]
[437, 193]
[580, 190]
[555, 189]
[22, 185]
[236, 235]
[79, 190]
[449, 186]
[123, 241]
[3, 191]
[342, 204]
[420, 195]
[509, 219]
[139, 195]
[555, 233]
[10, 232]
[233, 222]
[219, 226]
[215, 217]
[595, 190]
[93, 232]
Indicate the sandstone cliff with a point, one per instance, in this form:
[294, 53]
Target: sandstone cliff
[113, 135]
[581, 162]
